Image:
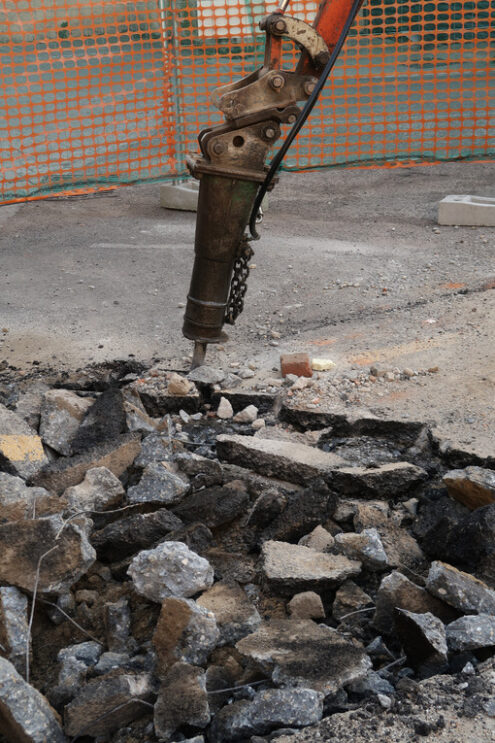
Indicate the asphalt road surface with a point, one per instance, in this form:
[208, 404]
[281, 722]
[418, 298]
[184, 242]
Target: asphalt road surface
[351, 265]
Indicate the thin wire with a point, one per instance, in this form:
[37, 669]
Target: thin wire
[310, 104]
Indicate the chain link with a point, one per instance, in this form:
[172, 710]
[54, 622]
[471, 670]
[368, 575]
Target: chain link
[238, 284]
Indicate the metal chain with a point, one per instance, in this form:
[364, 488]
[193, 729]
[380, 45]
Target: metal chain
[238, 284]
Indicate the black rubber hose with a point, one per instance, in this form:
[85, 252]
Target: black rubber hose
[308, 107]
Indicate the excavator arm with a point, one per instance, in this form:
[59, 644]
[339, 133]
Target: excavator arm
[231, 166]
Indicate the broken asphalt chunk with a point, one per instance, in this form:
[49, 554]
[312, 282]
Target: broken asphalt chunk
[204, 473]
[116, 455]
[18, 501]
[386, 481]
[99, 490]
[216, 505]
[299, 652]
[206, 375]
[350, 598]
[182, 700]
[366, 547]
[21, 450]
[159, 485]
[473, 487]
[104, 421]
[291, 568]
[274, 458]
[107, 703]
[23, 544]
[138, 531]
[306, 605]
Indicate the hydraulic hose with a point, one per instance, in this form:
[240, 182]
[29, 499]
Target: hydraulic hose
[308, 107]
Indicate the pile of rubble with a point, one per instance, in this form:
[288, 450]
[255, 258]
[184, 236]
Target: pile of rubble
[184, 561]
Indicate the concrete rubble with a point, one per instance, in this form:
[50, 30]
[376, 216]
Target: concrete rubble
[171, 569]
[210, 564]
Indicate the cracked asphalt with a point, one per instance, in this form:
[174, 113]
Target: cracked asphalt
[351, 265]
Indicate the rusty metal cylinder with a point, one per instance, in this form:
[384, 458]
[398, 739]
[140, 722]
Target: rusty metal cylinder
[224, 208]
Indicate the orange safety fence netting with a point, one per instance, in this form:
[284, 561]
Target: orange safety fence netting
[100, 93]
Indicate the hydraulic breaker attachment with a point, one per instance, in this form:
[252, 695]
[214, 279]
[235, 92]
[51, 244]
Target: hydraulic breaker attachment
[223, 212]
[231, 167]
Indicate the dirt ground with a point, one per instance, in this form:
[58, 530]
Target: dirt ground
[351, 266]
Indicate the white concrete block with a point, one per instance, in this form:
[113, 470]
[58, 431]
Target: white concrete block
[182, 196]
[467, 210]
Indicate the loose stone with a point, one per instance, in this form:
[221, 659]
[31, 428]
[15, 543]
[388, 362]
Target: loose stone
[171, 569]
[396, 591]
[178, 385]
[248, 415]
[471, 632]
[62, 412]
[225, 410]
[348, 599]
[235, 614]
[267, 711]
[99, 490]
[14, 631]
[423, 639]
[366, 547]
[25, 713]
[306, 605]
[319, 539]
[158, 485]
[461, 590]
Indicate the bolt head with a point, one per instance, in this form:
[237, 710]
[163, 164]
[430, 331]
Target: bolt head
[309, 86]
[292, 118]
[270, 132]
[277, 82]
[280, 26]
[218, 148]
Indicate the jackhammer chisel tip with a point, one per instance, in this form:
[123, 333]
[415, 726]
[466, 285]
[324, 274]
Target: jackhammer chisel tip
[199, 354]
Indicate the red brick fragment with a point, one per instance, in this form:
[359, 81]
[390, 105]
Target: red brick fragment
[296, 363]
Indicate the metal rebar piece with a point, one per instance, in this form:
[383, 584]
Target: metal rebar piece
[284, 5]
[199, 354]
